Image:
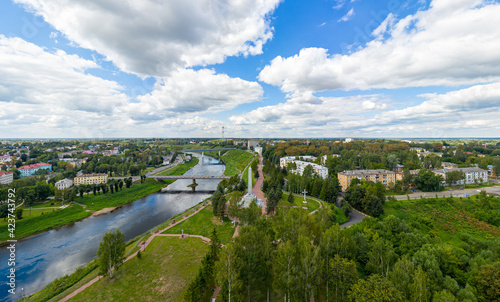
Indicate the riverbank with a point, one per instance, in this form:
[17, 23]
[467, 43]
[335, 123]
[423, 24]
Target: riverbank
[30, 226]
[64, 286]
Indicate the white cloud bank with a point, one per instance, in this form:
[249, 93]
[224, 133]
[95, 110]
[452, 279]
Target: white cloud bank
[452, 43]
[154, 38]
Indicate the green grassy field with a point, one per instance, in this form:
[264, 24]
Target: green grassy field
[203, 224]
[180, 168]
[50, 220]
[444, 217]
[236, 160]
[137, 191]
[312, 205]
[163, 274]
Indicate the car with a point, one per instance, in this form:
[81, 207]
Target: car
[460, 188]
[451, 189]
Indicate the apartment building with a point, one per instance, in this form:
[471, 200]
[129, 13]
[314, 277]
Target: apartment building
[88, 179]
[6, 177]
[64, 184]
[29, 170]
[379, 175]
[472, 175]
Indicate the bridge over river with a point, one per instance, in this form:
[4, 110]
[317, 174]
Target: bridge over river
[193, 177]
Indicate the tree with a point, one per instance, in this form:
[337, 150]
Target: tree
[375, 289]
[4, 210]
[381, 257]
[401, 275]
[290, 198]
[419, 290]
[19, 213]
[488, 281]
[453, 177]
[233, 208]
[221, 207]
[343, 275]
[111, 252]
[427, 181]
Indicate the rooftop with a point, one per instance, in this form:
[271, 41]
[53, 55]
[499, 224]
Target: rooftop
[366, 172]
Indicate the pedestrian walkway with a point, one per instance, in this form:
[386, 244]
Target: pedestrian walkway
[143, 246]
[258, 185]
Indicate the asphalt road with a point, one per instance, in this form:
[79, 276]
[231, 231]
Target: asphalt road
[454, 193]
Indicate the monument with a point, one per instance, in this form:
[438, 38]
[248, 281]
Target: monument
[249, 197]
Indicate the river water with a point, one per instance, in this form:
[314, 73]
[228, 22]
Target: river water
[45, 257]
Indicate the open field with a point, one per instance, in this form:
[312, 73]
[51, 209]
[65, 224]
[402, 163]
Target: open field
[444, 217]
[162, 274]
[236, 160]
[50, 220]
[123, 196]
[312, 205]
[179, 169]
[203, 224]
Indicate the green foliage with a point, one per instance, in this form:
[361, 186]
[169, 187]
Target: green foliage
[19, 214]
[111, 252]
[368, 197]
[427, 181]
[375, 289]
[236, 160]
[488, 281]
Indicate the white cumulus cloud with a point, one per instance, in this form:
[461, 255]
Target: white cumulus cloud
[152, 38]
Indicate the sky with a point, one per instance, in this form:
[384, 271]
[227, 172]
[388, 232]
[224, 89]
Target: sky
[260, 68]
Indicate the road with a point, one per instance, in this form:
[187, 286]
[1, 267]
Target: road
[454, 193]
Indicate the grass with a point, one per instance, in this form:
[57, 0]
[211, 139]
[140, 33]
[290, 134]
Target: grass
[443, 217]
[162, 274]
[311, 204]
[123, 196]
[236, 160]
[203, 224]
[38, 224]
[180, 168]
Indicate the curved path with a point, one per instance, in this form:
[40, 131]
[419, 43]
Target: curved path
[143, 246]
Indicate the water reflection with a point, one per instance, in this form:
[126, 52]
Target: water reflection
[53, 254]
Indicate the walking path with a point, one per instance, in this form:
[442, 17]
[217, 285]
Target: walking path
[454, 193]
[258, 185]
[143, 246]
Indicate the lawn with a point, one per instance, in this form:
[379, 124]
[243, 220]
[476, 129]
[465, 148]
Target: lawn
[236, 160]
[298, 201]
[443, 217]
[123, 196]
[203, 224]
[162, 274]
[50, 220]
[180, 168]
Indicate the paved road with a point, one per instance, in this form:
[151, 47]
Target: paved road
[454, 193]
[354, 217]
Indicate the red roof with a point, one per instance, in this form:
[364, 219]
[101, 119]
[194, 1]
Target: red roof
[4, 172]
[34, 166]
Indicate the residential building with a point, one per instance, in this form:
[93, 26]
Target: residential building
[5, 160]
[491, 170]
[447, 165]
[284, 161]
[64, 184]
[379, 175]
[398, 168]
[258, 150]
[318, 169]
[29, 170]
[6, 177]
[325, 157]
[88, 179]
[472, 175]
[253, 144]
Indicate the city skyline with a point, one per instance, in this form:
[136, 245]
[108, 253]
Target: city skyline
[392, 69]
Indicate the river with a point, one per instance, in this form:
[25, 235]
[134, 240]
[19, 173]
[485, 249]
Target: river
[53, 254]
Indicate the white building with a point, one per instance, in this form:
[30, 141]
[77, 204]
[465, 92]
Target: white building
[325, 157]
[6, 177]
[64, 184]
[301, 165]
[284, 161]
[258, 150]
[472, 175]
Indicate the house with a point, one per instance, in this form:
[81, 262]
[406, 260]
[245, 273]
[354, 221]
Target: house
[472, 175]
[29, 170]
[398, 168]
[6, 177]
[378, 175]
[325, 157]
[491, 170]
[64, 184]
[447, 165]
[253, 144]
[284, 161]
[88, 179]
